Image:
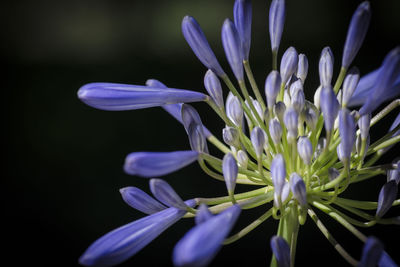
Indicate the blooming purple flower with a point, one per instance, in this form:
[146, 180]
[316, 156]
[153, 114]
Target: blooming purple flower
[114, 96]
[199, 246]
[139, 200]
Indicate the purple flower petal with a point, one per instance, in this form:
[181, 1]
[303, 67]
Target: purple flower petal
[233, 48]
[281, 250]
[347, 131]
[155, 164]
[372, 252]
[387, 195]
[272, 87]
[257, 137]
[166, 194]
[288, 64]
[114, 96]
[298, 188]
[203, 214]
[139, 200]
[125, 241]
[200, 245]
[329, 106]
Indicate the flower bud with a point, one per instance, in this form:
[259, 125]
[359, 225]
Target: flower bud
[291, 118]
[302, 68]
[298, 100]
[233, 48]
[275, 130]
[387, 195]
[350, 85]
[288, 64]
[347, 132]
[298, 188]
[317, 97]
[278, 173]
[166, 194]
[279, 110]
[272, 87]
[281, 250]
[230, 171]
[326, 67]
[329, 106]
[213, 87]
[257, 137]
[305, 150]
[364, 123]
[231, 136]
[311, 118]
[242, 18]
[242, 159]
[276, 22]
[234, 110]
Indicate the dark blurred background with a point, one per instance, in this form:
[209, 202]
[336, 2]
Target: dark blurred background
[63, 160]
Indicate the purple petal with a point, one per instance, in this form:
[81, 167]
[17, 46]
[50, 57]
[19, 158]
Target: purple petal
[386, 261]
[288, 64]
[166, 194]
[125, 241]
[203, 214]
[281, 250]
[139, 200]
[298, 188]
[155, 164]
[257, 137]
[329, 106]
[194, 128]
[278, 173]
[242, 18]
[272, 87]
[200, 245]
[372, 252]
[350, 84]
[233, 48]
[114, 96]
[305, 150]
[347, 131]
[387, 195]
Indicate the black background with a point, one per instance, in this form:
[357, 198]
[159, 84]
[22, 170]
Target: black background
[63, 160]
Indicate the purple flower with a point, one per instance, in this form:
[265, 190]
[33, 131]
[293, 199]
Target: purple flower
[298, 100]
[155, 164]
[242, 17]
[194, 128]
[197, 41]
[199, 246]
[288, 64]
[329, 106]
[203, 214]
[387, 195]
[166, 194]
[276, 22]
[114, 96]
[139, 200]
[356, 33]
[231, 136]
[230, 171]
[213, 86]
[242, 159]
[281, 250]
[275, 130]
[278, 174]
[233, 48]
[234, 109]
[326, 67]
[305, 150]
[347, 130]
[272, 87]
[364, 124]
[372, 252]
[257, 137]
[125, 241]
[350, 84]
[298, 189]
[302, 68]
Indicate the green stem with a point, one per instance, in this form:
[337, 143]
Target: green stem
[253, 83]
[340, 79]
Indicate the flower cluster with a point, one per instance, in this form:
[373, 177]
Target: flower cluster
[300, 155]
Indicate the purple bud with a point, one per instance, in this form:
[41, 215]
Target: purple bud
[356, 33]
[234, 110]
[203, 214]
[285, 193]
[291, 119]
[242, 17]
[350, 85]
[139, 200]
[389, 73]
[329, 106]
[347, 131]
[257, 137]
[230, 171]
[197, 41]
[200, 245]
[281, 250]
[326, 67]
[386, 260]
[288, 64]
[231, 136]
[272, 87]
[114, 96]
[213, 87]
[125, 241]
[298, 188]
[295, 86]
[364, 123]
[298, 100]
[305, 150]
[371, 253]
[302, 68]
[276, 22]
[311, 118]
[242, 159]
[320, 147]
[278, 173]
[275, 130]
[387, 195]
[156, 164]
[279, 110]
[232, 46]
[194, 128]
[166, 194]
[394, 175]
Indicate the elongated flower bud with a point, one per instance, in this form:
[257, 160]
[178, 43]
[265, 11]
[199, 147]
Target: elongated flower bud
[298, 188]
[317, 97]
[166, 194]
[114, 96]
[257, 137]
[356, 33]
[234, 110]
[279, 110]
[291, 119]
[372, 252]
[281, 250]
[275, 130]
[272, 87]
[364, 124]
[302, 68]
[230, 171]
[156, 164]
[276, 22]
[242, 159]
[203, 214]
[194, 128]
[387, 195]
[305, 150]
[197, 41]
[231, 136]
[242, 13]
[278, 173]
[350, 85]
[139, 200]
[294, 87]
[326, 67]
[200, 245]
[125, 241]
[232, 46]
[298, 100]
[389, 73]
[329, 106]
[288, 64]
[311, 118]
[213, 87]
[347, 132]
